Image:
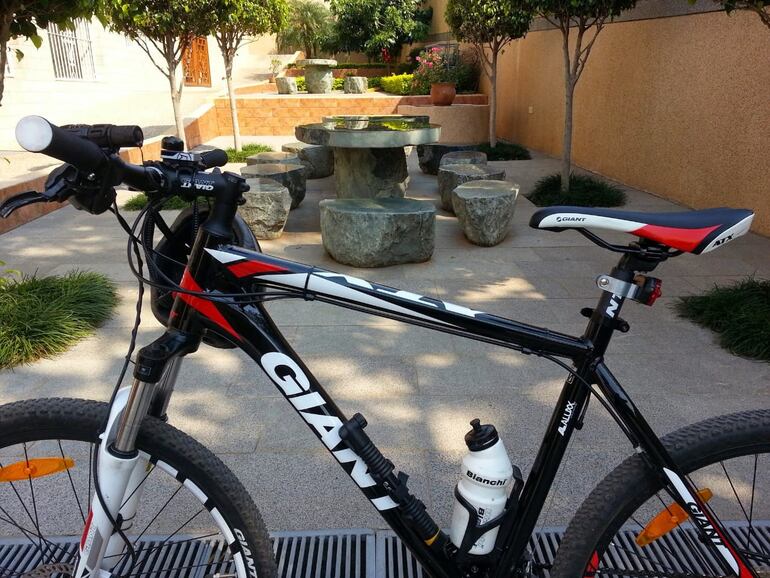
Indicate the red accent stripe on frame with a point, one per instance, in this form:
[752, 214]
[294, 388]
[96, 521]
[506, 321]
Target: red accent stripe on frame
[593, 566]
[206, 308]
[246, 268]
[682, 239]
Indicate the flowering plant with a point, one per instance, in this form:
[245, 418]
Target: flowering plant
[435, 65]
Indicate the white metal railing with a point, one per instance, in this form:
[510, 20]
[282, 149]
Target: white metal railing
[71, 51]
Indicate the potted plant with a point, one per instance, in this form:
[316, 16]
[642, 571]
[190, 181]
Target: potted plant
[276, 66]
[437, 69]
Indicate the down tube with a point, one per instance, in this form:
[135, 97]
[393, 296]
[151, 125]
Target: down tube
[267, 346]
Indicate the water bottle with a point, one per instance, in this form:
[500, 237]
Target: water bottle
[485, 483]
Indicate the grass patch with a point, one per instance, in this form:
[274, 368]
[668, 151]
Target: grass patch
[505, 152]
[234, 156]
[584, 191]
[739, 313]
[43, 316]
[139, 202]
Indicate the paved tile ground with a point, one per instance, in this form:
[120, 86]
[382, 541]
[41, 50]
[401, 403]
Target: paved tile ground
[417, 388]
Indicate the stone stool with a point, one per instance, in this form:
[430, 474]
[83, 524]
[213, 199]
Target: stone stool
[356, 85]
[463, 158]
[318, 159]
[290, 176]
[430, 155]
[267, 208]
[270, 158]
[318, 74]
[452, 176]
[485, 210]
[286, 85]
[378, 232]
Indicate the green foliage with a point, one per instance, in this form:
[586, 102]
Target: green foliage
[505, 152]
[247, 150]
[309, 28]
[375, 82]
[159, 20]
[378, 27]
[7, 275]
[568, 10]
[337, 83]
[584, 191]
[22, 18]
[232, 20]
[491, 23]
[40, 317]
[397, 84]
[139, 202]
[739, 313]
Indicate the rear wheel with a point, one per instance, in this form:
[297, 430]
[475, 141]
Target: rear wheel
[195, 519]
[726, 457]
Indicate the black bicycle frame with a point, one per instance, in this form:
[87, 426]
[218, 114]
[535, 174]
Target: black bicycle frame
[222, 270]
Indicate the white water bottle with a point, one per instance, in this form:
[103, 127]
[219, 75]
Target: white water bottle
[485, 483]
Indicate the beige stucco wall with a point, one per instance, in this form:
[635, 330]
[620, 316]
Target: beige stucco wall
[677, 106]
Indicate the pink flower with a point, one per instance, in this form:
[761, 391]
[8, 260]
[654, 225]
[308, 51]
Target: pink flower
[430, 65]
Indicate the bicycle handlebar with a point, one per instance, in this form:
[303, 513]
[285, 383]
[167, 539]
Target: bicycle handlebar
[108, 136]
[37, 135]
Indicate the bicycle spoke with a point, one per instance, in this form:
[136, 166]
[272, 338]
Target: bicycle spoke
[72, 483]
[34, 502]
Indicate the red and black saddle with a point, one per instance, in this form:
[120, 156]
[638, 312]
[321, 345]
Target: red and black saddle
[692, 231]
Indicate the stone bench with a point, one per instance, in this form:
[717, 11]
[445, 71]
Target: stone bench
[318, 159]
[286, 85]
[463, 158]
[485, 209]
[430, 155]
[267, 208]
[290, 176]
[269, 158]
[355, 85]
[452, 176]
[378, 232]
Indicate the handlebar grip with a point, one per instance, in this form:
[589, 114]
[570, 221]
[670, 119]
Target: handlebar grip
[214, 158]
[37, 135]
[125, 136]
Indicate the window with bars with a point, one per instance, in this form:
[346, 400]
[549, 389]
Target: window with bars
[71, 51]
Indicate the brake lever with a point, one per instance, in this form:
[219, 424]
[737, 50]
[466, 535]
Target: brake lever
[19, 201]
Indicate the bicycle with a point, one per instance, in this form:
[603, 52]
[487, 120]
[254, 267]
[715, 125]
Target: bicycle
[675, 492]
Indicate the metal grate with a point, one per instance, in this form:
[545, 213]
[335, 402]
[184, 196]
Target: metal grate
[71, 51]
[370, 554]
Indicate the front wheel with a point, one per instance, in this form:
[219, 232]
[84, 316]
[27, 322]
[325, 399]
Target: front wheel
[194, 518]
[726, 458]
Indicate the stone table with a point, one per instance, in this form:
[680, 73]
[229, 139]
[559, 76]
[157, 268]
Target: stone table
[318, 74]
[369, 157]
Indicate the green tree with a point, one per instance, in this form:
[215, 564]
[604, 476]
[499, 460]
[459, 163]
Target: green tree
[760, 7]
[22, 18]
[163, 29]
[580, 17]
[308, 28]
[489, 25]
[233, 21]
[374, 26]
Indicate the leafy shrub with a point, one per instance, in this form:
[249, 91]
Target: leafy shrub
[375, 82]
[446, 65]
[505, 152]
[739, 313]
[40, 317]
[397, 84]
[139, 202]
[584, 191]
[7, 275]
[337, 84]
[247, 150]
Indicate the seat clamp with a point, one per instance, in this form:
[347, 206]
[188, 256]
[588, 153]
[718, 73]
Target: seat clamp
[617, 286]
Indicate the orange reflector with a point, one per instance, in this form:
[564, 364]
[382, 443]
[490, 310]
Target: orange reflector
[34, 468]
[667, 520]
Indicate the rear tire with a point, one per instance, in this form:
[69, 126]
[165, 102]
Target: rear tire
[629, 493]
[45, 427]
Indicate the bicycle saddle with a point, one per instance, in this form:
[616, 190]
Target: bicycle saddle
[692, 231]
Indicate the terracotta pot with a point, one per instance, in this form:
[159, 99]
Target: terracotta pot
[443, 93]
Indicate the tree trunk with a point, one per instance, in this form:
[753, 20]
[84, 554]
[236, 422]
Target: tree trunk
[569, 91]
[176, 97]
[5, 36]
[493, 104]
[233, 105]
